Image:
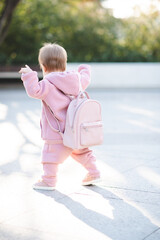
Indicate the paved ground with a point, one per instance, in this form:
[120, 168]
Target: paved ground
[124, 206]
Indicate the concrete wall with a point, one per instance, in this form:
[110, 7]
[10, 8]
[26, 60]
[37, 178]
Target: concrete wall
[116, 75]
[124, 75]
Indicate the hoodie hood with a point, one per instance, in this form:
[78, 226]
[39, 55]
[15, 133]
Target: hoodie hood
[68, 82]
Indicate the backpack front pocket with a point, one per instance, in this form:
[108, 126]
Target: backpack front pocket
[91, 133]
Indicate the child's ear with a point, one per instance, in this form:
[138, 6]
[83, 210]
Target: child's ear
[43, 68]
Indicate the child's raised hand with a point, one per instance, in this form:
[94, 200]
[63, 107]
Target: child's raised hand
[26, 69]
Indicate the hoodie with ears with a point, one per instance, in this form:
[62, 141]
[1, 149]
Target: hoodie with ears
[53, 90]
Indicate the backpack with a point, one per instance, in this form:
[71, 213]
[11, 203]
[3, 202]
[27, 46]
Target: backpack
[83, 127]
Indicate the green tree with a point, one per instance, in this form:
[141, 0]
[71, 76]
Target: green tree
[7, 8]
[88, 32]
[70, 23]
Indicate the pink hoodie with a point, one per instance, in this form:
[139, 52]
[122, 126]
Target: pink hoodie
[53, 90]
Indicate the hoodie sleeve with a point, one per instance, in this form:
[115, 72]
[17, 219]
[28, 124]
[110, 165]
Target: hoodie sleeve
[85, 72]
[34, 88]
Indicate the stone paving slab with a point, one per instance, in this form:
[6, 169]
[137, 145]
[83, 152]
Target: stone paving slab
[125, 205]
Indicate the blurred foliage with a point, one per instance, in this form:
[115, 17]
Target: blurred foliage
[87, 31]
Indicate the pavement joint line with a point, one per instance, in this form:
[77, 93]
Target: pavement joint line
[146, 203]
[126, 199]
[129, 189]
[157, 229]
[132, 200]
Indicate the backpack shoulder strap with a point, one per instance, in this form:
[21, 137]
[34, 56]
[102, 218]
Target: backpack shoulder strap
[48, 112]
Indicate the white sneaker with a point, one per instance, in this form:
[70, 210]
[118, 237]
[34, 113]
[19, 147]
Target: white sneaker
[90, 180]
[40, 185]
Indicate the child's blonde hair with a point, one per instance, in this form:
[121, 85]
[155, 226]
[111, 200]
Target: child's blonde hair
[53, 57]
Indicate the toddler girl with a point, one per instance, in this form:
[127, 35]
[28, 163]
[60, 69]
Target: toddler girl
[55, 90]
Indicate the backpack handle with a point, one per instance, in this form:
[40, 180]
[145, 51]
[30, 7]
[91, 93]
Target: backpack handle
[87, 95]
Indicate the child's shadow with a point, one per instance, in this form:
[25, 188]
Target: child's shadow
[88, 216]
[124, 215]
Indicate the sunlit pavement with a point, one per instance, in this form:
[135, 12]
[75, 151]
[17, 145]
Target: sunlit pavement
[125, 205]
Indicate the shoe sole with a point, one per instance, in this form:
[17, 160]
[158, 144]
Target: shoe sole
[91, 182]
[43, 188]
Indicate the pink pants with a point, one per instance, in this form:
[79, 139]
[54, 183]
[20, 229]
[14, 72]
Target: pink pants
[54, 154]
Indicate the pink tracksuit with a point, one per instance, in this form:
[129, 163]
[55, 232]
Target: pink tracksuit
[53, 89]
